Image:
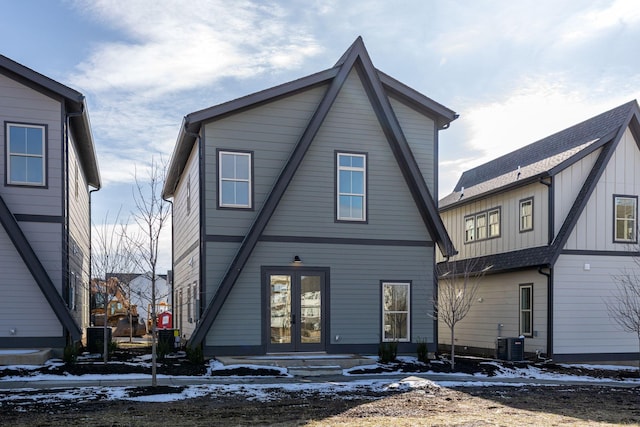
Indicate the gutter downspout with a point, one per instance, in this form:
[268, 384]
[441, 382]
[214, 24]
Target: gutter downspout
[549, 310]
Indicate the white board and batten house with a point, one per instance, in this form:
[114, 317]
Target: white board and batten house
[553, 222]
[304, 216]
[48, 165]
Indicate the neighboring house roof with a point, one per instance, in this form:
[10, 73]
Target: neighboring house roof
[379, 87]
[75, 107]
[543, 158]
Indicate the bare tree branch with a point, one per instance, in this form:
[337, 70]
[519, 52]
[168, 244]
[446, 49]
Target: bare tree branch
[458, 284]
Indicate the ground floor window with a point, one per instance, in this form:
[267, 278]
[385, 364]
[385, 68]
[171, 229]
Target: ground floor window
[526, 310]
[395, 311]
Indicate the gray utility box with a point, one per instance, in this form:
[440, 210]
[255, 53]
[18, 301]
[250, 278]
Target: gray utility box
[510, 348]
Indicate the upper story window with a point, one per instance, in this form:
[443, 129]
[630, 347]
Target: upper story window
[26, 151]
[351, 187]
[482, 225]
[625, 214]
[526, 214]
[234, 179]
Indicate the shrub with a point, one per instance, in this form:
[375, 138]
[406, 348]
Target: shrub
[70, 354]
[387, 352]
[195, 356]
[423, 353]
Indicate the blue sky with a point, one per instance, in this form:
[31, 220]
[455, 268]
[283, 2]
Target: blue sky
[515, 71]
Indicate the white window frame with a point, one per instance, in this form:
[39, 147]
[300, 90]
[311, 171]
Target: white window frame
[10, 154]
[494, 227]
[629, 223]
[345, 216]
[235, 179]
[526, 218]
[481, 226]
[525, 329]
[470, 229]
[407, 312]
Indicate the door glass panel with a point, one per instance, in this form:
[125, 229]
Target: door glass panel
[280, 301]
[310, 310]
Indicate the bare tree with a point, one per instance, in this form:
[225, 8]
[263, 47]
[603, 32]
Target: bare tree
[151, 216]
[457, 288]
[624, 304]
[110, 253]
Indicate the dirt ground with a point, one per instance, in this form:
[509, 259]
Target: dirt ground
[430, 405]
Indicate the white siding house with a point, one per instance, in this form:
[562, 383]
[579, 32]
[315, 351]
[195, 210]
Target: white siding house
[568, 214]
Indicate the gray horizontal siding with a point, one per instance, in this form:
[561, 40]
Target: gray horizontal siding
[19, 103]
[308, 206]
[354, 288]
[270, 131]
[22, 306]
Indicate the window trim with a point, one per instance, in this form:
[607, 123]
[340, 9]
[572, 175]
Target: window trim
[408, 284]
[473, 218]
[249, 154]
[365, 195]
[615, 219]
[521, 216]
[45, 148]
[521, 287]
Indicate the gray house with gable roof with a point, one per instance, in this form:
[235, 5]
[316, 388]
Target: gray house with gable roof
[304, 216]
[48, 164]
[553, 222]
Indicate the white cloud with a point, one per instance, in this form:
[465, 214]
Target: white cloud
[591, 23]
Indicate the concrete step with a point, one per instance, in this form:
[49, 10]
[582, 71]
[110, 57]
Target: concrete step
[25, 356]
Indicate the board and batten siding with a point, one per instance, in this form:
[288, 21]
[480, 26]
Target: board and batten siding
[582, 325]
[354, 291]
[23, 305]
[270, 131]
[497, 303]
[567, 184]
[308, 208]
[595, 226]
[511, 239]
[186, 238]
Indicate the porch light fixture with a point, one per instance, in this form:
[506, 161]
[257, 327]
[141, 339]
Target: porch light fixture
[297, 260]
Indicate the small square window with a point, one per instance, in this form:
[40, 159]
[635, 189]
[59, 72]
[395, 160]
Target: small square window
[26, 151]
